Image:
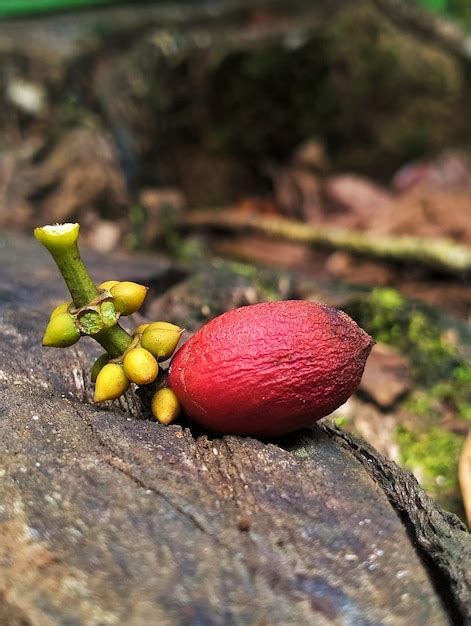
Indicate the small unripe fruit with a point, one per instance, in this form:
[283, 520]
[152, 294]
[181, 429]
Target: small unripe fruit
[128, 297]
[165, 406]
[111, 383]
[140, 366]
[107, 284]
[99, 364]
[270, 368]
[161, 339]
[60, 308]
[61, 331]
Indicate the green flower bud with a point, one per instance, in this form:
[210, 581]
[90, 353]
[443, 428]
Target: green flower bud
[61, 331]
[140, 366]
[90, 322]
[161, 339]
[108, 284]
[108, 314]
[111, 383]
[60, 308]
[99, 364]
[165, 406]
[128, 297]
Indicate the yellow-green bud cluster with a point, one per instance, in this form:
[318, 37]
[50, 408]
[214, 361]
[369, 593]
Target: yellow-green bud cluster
[66, 324]
[139, 364]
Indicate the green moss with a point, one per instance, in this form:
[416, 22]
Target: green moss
[462, 374]
[450, 393]
[341, 421]
[433, 457]
[464, 410]
[413, 329]
[422, 404]
[442, 386]
[461, 393]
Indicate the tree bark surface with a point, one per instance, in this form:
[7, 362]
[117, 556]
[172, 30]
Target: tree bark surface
[108, 518]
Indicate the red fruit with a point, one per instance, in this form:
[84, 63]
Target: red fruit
[269, 368]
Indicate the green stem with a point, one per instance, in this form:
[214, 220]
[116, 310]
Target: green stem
[114, 340]
[61, 242]
[81, 287]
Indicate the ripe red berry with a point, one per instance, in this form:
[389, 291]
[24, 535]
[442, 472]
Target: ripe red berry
[269, 368]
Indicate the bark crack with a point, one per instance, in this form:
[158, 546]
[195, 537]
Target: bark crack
[114, 460]
[118, 464]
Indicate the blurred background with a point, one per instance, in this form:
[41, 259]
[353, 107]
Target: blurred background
[276, 149]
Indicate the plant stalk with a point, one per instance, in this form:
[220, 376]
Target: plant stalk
[61, 241]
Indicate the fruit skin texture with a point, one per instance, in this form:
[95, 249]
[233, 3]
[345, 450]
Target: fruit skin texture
[270, 368]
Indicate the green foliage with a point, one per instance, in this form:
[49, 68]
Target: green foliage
[11, 8]
[435, 5]
[461, 10]
[422, 404]
[454, 9]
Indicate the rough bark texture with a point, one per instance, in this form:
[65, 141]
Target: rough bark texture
[109, 519]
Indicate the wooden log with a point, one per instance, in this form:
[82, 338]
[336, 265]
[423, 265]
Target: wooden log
[110, 519]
